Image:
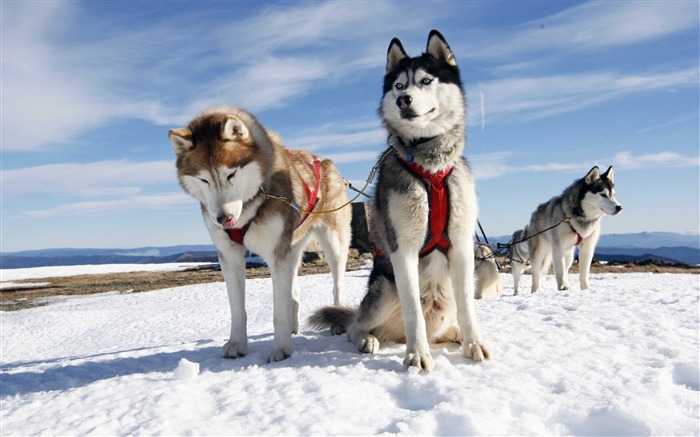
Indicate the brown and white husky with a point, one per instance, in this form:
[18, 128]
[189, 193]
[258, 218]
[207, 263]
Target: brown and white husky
[239, 171]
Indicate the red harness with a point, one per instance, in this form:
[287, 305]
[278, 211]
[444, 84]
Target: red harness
[236, 235]
[579, 238]
[439, 208]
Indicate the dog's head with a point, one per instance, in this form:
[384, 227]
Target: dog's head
[222, 161]
[423, 96]
[599, 194]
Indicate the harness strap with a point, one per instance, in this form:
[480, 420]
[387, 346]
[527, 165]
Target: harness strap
[439, 207]
[579, 238]
[312, 195]
[237, 235]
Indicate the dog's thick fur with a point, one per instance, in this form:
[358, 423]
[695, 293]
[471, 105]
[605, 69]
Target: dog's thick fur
[412, 298]
[228, 161]
[519, 255]
[488, 281]
[581, 207]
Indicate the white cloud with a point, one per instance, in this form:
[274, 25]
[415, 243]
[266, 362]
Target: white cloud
[627, 160]
[102, 178]
[496, 165]
[592, 26]
[532, 98]
[152, 202]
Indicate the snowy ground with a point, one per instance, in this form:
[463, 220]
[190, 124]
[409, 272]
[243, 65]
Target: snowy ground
[621, 359]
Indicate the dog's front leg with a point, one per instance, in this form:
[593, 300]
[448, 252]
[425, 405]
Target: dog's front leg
[586, 250]
[461, 259]
[561, 270]
[405, 265]
[232, 261]
[281, 273]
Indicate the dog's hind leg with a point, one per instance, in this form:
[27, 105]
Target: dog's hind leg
[518, 268]
[335, 244]
[380, 314]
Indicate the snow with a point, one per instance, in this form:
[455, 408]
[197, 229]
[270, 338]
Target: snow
[57, 271]
[620, 359]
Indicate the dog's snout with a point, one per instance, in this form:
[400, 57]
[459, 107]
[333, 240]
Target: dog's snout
[404, 102]
[226, 220]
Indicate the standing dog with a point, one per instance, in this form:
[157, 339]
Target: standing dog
[579, 210]
[519, 255]
[423, 217]
[238, 171]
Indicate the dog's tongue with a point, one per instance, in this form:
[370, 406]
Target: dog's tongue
[230, 223]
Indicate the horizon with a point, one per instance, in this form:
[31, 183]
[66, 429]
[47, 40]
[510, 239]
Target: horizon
[90, 90]
[210, 243]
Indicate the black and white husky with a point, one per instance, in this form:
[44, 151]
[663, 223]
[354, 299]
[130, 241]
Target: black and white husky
[423, 217]
[578, 210]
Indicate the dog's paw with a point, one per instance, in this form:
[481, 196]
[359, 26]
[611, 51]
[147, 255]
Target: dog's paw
[234, 349]
[337, 330]
[279, 355]
[476, 352]
[368, 344]
[422, 361]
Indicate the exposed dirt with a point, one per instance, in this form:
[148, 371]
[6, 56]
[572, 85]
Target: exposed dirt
[36, 290]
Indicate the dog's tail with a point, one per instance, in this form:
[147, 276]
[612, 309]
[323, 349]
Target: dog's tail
[338, 318]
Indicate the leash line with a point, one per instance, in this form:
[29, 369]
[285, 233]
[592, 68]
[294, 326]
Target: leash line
[504, 247]
[294, 205]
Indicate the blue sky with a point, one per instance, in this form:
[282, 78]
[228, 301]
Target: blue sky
[90, 89]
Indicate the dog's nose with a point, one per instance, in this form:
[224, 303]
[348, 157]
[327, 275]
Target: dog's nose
[404, 102]
[618, 208]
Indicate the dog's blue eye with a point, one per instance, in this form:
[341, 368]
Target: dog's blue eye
[205, 181]
[426, 81]
[230, 176]
[399, 86]
[603, 194]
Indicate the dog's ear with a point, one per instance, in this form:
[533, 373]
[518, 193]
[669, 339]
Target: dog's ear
[439, 49]
[592, 176]
[609, 174]
[181, 140]
[234, 129]
[395, 54]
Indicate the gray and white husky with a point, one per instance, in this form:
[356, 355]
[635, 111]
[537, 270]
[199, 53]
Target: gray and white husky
[238, 170]
[579, 209]
[423, 217]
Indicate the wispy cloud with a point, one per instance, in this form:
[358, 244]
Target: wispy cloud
[102, 178]
[592, 26]
[496, 165]
[655, 160]
[673, 122]
[537, 97]
[152, 202]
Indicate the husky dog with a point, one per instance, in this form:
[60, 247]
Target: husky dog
[519, 255]
[423, 217]
[238, 171]
[578, 210]
[488, 281]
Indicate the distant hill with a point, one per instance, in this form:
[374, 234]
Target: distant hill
[662, 246]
